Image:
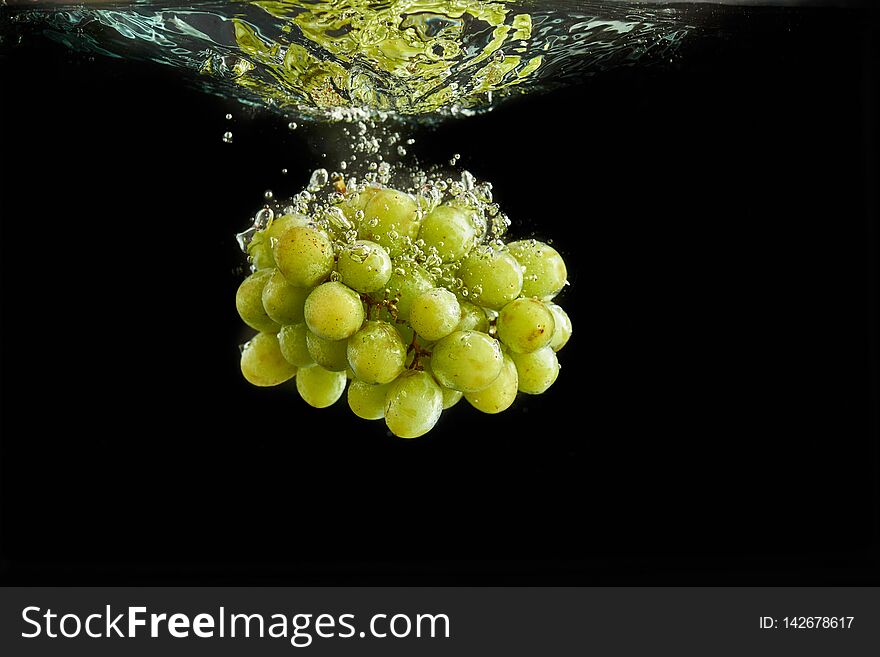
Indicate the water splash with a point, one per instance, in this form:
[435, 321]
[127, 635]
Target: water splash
[351, 59]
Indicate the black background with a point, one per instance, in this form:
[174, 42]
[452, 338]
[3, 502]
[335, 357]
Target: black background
[715, 420]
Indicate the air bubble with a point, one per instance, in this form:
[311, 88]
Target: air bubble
[360, 253]
[319, 179]
[263, 217]
[338, 219]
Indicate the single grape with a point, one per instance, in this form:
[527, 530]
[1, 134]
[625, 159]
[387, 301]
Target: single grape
[449, 230]
[364, 266]
[249, 302]
[260, 247]
[294, 348]
[413, 405]
[467, 361]
[537, 370]
[367, 400]
[492, 278]
[405, 331]
[262, 363]
[450, 397]
[501, 392]
[544, 271]
[330, 354]
[376, 353]
[357, 201]
[405, 284]
[562, 332]
[260, 252]
[334, 311]
[473, 318]
[435, 314]
[389, 218]
[282, 301]
[525, 325]
[304, 256]
[319, 387]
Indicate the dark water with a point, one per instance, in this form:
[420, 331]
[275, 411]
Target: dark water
[715, 418]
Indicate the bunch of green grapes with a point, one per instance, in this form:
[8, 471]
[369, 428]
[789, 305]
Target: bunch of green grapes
[417, 304]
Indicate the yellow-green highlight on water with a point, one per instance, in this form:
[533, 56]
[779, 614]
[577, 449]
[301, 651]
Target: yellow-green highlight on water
[400, 56]
[335, 59]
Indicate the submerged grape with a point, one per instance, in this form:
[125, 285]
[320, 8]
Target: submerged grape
[262, 362]
[413, 405]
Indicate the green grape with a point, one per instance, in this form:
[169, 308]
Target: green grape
[367, 400]
[450, 231]
[473, 318]
[467, 361]
[282, 301]
[364, 266]
[413, 405]
[319, 387]
[260, 252]
[450, 397]
[357, 201]
[304, 256]
[376, 353]
[492, 278]
[293, 343]
[435, 314]
[389, 218]
[329, 354]
[260, 247]
[406, 283]
[406, 332]
[537, 370]
[500, 393]
[334, 311]
[544, 271]
[262, 363]
[525, 325]
[249, 302]
[562, 332]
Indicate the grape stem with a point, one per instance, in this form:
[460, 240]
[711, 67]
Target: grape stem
[414, 346]
[373, 307]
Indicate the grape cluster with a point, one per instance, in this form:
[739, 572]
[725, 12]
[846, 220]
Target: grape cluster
[418, 302]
